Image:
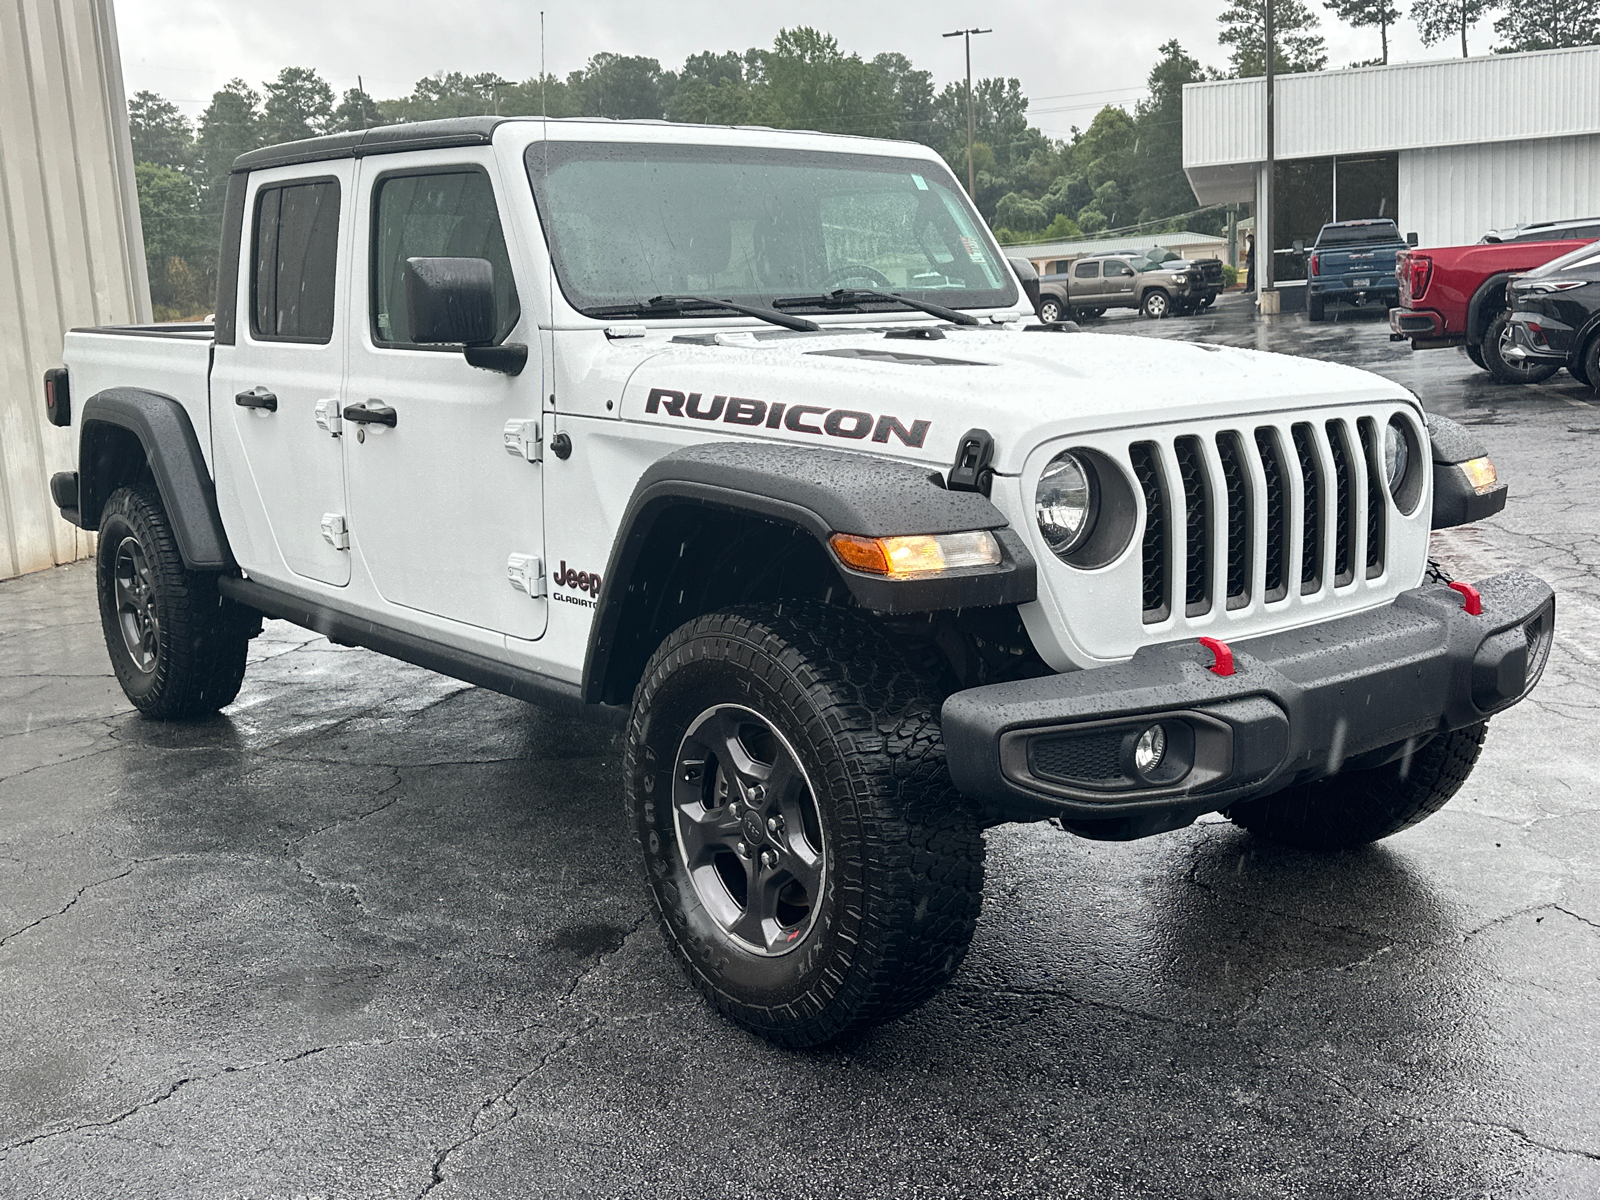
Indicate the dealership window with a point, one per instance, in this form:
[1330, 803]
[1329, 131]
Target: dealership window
[1310, 192]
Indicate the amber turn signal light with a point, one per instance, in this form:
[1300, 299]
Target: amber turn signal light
[916, 554]
[1480, 474]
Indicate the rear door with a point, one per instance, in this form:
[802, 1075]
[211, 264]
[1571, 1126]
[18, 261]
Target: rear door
[280, 474]
[440, 513]
[1085, 281]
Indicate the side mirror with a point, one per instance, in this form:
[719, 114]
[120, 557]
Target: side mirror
[451, 302]
[1411, 239]
[1127, 271]
[1299, 245]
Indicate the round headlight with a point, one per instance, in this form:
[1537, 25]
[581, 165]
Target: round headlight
[1396, 454]
[1065, 503]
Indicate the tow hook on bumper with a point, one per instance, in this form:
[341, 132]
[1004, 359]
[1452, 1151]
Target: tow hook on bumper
[1150, 744]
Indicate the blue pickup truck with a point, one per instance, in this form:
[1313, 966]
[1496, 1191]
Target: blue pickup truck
[1352, 263]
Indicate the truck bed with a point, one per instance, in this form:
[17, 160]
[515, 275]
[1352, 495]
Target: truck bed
[172, 360]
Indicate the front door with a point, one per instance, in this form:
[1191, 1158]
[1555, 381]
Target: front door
[441, 514]
[1119, 281]
[280, 472]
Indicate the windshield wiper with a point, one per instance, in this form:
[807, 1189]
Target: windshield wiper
[674, 304]
[843, 296]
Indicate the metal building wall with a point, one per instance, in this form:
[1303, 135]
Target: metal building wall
[1499, 97]
[1454, 194]
[71, 247]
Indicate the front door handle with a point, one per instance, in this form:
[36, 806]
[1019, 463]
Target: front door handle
[373, 412]
[257, 397]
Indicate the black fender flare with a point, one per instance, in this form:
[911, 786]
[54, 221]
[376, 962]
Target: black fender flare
[822, 492]
[1491, 291]
[1455, 500]
[172, 452]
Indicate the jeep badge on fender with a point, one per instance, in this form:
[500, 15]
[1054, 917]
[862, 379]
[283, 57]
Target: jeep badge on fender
[836, 660]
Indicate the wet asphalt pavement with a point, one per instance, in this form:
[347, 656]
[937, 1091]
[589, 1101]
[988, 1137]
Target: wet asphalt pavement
[373, 932]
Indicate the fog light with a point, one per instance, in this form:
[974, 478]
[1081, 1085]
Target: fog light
[1150, 749]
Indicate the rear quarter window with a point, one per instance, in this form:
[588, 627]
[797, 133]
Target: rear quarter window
[294, 257]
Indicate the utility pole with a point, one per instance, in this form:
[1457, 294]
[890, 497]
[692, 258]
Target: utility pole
[971, 175]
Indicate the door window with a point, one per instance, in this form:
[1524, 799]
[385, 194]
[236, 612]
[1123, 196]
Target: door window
[438, 215]
[295, 251]
[1086, 270]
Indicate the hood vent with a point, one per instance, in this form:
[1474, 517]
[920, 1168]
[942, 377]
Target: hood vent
[896, 356]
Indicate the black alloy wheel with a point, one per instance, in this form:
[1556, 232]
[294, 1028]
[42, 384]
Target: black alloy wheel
[749, 834]
[138, 617]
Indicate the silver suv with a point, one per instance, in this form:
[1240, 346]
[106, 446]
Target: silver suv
[1157, 282]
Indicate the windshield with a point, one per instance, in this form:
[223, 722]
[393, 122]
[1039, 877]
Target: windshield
[1377, 233]
[629, 221]
[1150, 260]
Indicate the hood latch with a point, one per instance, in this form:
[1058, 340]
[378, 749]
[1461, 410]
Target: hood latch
[971, 472]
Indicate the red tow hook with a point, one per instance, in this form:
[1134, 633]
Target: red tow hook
[1224, 663]
[1474, 602]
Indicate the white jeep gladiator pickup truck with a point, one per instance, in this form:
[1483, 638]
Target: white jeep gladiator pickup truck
[746, 441]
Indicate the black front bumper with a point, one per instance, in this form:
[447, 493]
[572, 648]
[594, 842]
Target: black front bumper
[1351, 693]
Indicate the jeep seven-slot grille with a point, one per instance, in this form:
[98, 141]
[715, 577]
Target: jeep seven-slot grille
[1306, 474]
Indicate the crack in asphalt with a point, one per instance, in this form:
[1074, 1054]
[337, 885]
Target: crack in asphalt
[476, 1127]
[67, 907]
[1526, 1137]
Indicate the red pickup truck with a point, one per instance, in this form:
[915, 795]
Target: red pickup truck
[1456, 296]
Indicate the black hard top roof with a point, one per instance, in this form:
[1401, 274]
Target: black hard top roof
[385, 139]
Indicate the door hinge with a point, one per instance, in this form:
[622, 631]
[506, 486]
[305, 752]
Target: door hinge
[526, 573]
[328, 417]
[524, 439]
[335, 532]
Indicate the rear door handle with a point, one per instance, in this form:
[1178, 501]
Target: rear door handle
[372, 412]
[257, 397]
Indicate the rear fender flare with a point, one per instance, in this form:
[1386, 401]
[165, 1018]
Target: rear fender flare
[172, 453]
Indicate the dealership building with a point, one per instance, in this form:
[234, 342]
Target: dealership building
[1448, 149]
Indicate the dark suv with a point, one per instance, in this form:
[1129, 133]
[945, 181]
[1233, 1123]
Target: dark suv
[1555, 315]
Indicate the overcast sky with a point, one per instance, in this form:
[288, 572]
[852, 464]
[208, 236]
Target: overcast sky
[1073, 56]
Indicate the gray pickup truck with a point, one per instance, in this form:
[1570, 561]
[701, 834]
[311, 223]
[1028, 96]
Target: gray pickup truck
[1353, 262]
[1157, 282]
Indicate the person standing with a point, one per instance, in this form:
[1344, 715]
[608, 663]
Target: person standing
[1250, 262]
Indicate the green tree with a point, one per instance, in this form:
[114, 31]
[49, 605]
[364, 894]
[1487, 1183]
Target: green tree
[622, 87]
[229, 126]
[1439, 19]
[1299, 46]
[1366, 13]
[454, 95]
[356, 110]
[177, 248]
[815, 85]
[299, 105]
[913, 94]
[161, 134]
[1020, 213]
[1161, 186]
[1549, 25]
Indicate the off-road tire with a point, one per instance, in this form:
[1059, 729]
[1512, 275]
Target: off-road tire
[198, 659]
[1475, 353]
[1050, 310]
[1315, 308]
[1156, 304]
[904, 852]
[1357, 807]
[1504, 370]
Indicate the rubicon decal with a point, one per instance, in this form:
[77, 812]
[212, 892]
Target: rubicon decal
[578, 581]
[849, 423]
